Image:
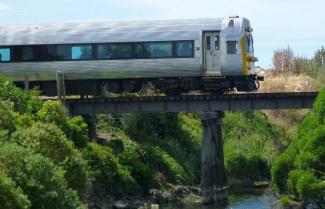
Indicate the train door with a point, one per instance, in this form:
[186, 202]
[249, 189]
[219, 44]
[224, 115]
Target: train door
[211, 45]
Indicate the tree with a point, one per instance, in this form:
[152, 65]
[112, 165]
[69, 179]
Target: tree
[319, 57]
[39, 178]
[283, 60]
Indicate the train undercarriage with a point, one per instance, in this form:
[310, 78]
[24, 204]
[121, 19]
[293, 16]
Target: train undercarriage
[170, 86]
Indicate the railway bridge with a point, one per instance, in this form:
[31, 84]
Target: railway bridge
[211, 108]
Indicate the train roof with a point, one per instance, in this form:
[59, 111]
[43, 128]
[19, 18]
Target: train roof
[122, 31]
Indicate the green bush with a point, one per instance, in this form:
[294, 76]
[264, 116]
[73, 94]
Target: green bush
[75, 129]
[249, 145]
[11, 196]
[280, 171]
[6, 117]
[39, 178]
[23, 102]
[51, 142]
[141, 171]
[301, 166]
[285, 201]
[106, 170]
[160, 160]
[310, 187]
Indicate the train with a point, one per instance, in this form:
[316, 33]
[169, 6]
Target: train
[211, 55]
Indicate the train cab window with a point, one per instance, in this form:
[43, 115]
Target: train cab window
[5, 55]
[114, 51]
[82, 52]
[154, 50]
[184, 49]
[249, 44]
[231, 47]
[27, 53]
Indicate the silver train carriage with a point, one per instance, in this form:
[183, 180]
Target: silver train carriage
[210, 55]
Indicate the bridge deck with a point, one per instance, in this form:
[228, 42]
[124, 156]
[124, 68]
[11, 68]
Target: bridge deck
[192, 103]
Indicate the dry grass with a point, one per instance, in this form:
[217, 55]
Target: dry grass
[289, 83]
[288, 119]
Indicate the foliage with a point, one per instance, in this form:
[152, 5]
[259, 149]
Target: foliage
[140, 170]
[11, 196]
[23, 102]
[51, 142]
[174, 138]
[106, 170]
[302, 171]
[285, 201]
[6, 117]
[75, 129]
[39, 178]
[248, 145]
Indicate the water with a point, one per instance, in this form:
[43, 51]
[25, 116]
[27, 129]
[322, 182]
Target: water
[256, 200]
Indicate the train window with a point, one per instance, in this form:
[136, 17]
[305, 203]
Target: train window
[216, 42]
[63, 52]
[82, 52]
[208, 42]
[231, 47]
[45, 53]
[74, 52]
[154, 50]
[184, 49]
[27, 53]
[5, 55]
[114, 51]
[249, 44]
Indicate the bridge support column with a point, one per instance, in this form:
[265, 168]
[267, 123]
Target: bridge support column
[91, 120]
[214, 179]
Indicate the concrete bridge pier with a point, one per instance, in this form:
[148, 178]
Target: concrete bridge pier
[213, 179]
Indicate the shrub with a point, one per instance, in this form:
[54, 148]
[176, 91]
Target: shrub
[39, 178]
[11, 196]
[75, 129]
[106, 171]
[310, 187]
[6, 117]
[285, 201]
[160, 160]
[51, 142]
[140, 171]
[23, 102]
[280, 170]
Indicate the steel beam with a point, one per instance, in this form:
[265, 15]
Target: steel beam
[193, 103]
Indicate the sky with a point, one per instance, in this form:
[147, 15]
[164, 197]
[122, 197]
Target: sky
[277, 24]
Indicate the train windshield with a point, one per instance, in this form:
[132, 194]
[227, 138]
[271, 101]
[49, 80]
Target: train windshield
[249, 43]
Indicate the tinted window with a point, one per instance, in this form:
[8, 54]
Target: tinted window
[114, 51]
[82, 52]
[63, 52]
[27, 53]
[249, 44]
[45, 53]
[154, 50]
[74, 52]
[5, 54]
[208, 42]
[184, 49]
[231, 47]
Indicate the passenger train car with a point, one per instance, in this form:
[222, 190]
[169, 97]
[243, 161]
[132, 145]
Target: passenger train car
[210, 55]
